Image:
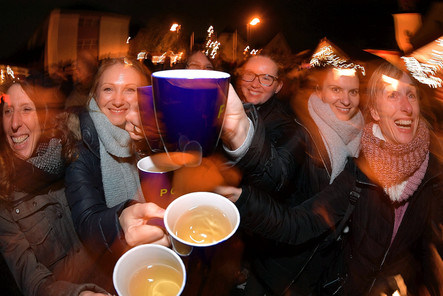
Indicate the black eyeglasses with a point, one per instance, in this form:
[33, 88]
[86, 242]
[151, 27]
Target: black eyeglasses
[264, 79]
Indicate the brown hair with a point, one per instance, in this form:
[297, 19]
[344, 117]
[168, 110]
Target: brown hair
[376, 85]
[53, 120]
[270, 57]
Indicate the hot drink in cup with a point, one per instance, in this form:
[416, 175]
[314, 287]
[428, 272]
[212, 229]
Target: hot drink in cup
[202, 225]
[189, 108]
[148, 270]
[200, 219]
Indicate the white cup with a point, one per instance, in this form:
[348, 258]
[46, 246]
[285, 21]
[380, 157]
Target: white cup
[144, 256]
[189, 201]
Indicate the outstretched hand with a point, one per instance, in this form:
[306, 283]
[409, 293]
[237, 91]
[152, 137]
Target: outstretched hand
[134, 221]
[236, 123]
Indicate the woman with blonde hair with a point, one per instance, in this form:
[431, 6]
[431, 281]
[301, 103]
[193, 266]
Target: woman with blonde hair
[102, 184]
[394, 232]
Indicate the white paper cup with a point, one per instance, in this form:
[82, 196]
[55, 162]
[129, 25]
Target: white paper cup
[190, 201]
[143, 256]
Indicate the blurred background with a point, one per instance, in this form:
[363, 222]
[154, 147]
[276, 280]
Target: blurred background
[55, 34]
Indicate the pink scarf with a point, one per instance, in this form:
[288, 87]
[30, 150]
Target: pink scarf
[394, 163]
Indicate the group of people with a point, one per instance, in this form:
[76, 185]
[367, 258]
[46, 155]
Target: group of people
[336, 197]
[378, 170]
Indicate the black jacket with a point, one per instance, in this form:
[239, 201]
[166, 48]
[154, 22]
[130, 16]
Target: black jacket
[371, 261]
[96, 224]
[290, 162]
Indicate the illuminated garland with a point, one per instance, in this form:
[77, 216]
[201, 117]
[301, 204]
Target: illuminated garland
[424, 72]
[212, 46]
[8, 75]
[326, 56]
[248, 51]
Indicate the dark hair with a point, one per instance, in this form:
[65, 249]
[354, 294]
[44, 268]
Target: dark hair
[197, 51]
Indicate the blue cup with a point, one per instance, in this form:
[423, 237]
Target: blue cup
[156, 174]
[189, 108]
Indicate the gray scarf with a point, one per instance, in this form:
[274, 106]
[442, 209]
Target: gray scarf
[119, 172]
[48, 157]
[341, 138]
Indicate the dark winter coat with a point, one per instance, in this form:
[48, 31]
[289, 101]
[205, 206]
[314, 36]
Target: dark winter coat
[371, 261]
[97, 225]
[291, 169]
[38, 240]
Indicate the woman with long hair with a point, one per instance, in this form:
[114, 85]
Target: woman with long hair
[38, 239]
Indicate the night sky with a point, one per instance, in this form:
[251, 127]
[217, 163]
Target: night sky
[359, 23]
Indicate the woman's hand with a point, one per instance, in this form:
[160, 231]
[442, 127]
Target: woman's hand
[236, 123]
[133, 124]
[230, 192]
[134, 221]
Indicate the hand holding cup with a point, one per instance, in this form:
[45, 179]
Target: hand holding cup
[236, 123]
[135, 222]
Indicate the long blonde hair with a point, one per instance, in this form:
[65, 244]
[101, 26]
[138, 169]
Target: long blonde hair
[107, 63]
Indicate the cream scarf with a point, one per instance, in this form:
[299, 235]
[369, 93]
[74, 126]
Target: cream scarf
[341, 138]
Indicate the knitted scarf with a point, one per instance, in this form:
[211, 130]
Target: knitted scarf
[44, 168]
[341, 138]
[117, 161]
[399, 168]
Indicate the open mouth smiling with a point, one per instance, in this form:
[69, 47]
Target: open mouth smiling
[117, 110]
[19, 139]
[402, 123]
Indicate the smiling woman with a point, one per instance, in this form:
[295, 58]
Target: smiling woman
[21, 122]
[37, 238]
[397, 110]
[328, 129]
[396, 185]
[102, 185]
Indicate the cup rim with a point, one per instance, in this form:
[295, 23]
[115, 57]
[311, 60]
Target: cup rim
[214, 195]
[191, 74]
[149, 246]
[172, 168]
